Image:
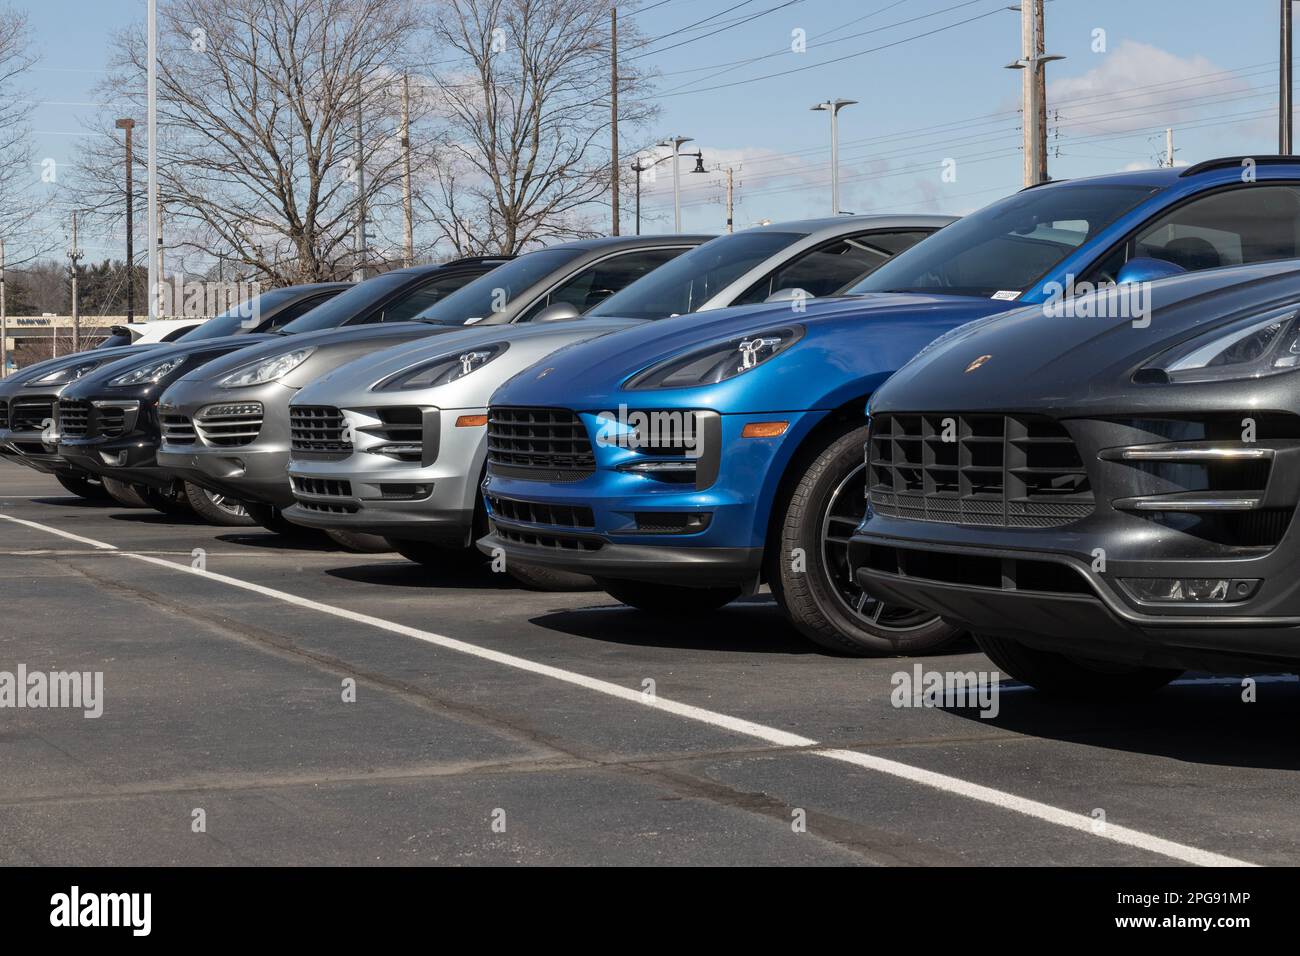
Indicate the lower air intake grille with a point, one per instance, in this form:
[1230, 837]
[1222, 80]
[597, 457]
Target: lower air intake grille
[534, 512]
[177, 429]
[74, 418]
[1010, 471]
[30, 414]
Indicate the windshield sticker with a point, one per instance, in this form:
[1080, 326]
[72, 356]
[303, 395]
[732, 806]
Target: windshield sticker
[1006, 294]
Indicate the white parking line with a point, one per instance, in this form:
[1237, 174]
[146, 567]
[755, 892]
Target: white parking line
[772, 735]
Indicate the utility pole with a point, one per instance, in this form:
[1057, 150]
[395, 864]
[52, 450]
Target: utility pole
[129, 125]
[359, 270]
[408, 258]
[834, 107]
[151, 117]
[1169, 146]
[613, 117]
[4, 319]
[1284, 84]
[730, 197]
[158, 265]
[74, 256]
[1033, 89]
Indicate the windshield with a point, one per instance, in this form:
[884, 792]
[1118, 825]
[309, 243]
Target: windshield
[232, 322]
[349, 304]
[494, 291]
[694, 277]
[1008, 246]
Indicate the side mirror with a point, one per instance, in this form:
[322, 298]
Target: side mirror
[789, 295]
[1146, 270]
[558, 312]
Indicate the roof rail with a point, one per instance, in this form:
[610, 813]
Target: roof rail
[466, 260]
[1042, 182]
[1226, 161]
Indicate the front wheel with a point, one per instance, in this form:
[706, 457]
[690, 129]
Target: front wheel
[216, 508]
[667, 599]
[83, 487]
[810, 574]
[1066, 676]
[359, 542]
[128, 496]
[535, 577]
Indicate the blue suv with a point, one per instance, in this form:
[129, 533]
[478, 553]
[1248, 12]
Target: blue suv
[685, 463]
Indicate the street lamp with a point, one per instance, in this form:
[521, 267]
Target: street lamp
[128, 125]
[676, 144]
[834, 107]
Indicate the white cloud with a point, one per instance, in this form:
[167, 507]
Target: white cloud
[1117, 95]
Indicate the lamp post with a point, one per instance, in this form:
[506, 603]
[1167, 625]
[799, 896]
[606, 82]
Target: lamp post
[833, 107]
[155, 240]
[129, 125]
[676, 143]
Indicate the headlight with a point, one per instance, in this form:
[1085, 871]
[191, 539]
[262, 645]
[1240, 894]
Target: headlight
[266, 370]
[1251, 348]
[444, 370]
[64, 375]
[153, 372]
[718, 362]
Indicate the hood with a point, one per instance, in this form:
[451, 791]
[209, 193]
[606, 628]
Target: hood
[850, 335]
[364, 338]
[102, 356]
[526, 344]
[1035, 356]
[192, 354]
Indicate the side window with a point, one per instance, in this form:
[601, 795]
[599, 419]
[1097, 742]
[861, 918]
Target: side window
[297, 310]
[827, 268]
[596, 283]
[1238, 226]
[417, 300]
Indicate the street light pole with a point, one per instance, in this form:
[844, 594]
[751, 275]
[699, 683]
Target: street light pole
[129, 125]
[1284, 84]
[676, 143]
[152, 120]
[833, 107]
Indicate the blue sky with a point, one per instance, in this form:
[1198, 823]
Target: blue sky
[1207, 69]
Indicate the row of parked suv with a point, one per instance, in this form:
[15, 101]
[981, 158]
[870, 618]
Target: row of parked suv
[1083, 460]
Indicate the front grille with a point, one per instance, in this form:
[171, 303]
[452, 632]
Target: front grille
[1011, 471]
[74, 418]
[230, 425]
[535, 512]
[30, 414]
[541, 444]
[177, 429]
[4, 413]
[318, 429]
[312, 495]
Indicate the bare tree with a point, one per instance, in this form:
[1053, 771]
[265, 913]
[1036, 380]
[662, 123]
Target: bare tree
[523, 157]
[263, 109]
[17, 199]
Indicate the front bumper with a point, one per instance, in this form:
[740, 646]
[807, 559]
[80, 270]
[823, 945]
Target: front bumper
[618, 523]
[119, 441]
[29, 433]
[1164, 507]
[243, 456]
[431, 498]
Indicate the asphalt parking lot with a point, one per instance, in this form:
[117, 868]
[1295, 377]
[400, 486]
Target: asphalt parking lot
[493, 725]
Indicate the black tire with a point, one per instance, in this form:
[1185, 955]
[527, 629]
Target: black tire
[669, 600]
[272, 519]
[84, 487]
[216, 508]
[1066, 676]
[171, 501]
[824, 506]
[538, 578]
[128, 496]
[441, 557]
[359, 542]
